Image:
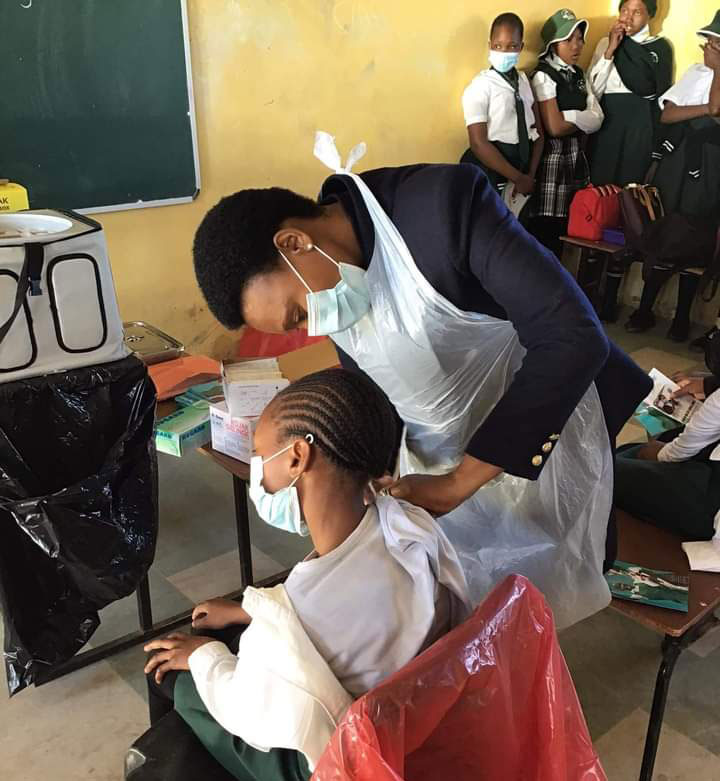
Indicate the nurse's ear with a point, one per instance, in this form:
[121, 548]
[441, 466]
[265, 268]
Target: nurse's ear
[293, 241]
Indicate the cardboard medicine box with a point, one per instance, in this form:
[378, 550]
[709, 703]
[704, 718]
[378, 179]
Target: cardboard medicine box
[186, 429]
[232, 436]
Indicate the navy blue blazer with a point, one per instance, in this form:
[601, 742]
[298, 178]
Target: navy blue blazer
[475, 254]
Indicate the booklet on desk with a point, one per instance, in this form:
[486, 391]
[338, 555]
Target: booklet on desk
[654, 587]
[659, 412]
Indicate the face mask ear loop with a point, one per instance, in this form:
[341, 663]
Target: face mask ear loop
[325, 255]
[295, 271]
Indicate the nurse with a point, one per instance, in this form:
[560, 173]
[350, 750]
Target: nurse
[510, 392]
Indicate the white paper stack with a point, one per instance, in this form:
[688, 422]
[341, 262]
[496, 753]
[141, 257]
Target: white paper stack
[251, 385]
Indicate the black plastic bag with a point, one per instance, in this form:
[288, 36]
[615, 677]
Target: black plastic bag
[78, 507]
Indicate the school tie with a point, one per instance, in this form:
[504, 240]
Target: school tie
[513, 79]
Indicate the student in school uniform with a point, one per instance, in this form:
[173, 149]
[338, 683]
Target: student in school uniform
[569, 111]
[503, 124]
[628, 72]
[688, 173]
[265, 684]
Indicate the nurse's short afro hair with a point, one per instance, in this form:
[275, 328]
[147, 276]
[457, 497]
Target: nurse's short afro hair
[234, 243]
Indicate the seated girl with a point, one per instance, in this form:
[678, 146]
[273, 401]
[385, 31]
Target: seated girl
[382, 584]
[569, 112]
[676, 485]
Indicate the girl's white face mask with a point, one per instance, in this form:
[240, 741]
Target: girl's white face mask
[334, 310]
[281, 509]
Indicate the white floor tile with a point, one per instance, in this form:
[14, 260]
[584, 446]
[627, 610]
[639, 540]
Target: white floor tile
[678, 759]
[77, 727]
[221, 575]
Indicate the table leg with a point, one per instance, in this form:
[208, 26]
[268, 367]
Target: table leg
[672, 648]
[144, 604]
[242, 520]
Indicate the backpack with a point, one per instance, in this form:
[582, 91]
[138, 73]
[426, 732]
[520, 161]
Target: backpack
[593, 210]
[640, 205]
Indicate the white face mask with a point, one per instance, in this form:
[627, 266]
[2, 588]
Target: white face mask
[503, 62]
[281, 509]
[334, 310]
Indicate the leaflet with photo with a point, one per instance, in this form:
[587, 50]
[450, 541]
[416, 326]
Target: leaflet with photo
[660, 412]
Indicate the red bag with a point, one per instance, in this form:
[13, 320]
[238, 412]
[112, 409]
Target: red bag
[594, 210]
[492, 700]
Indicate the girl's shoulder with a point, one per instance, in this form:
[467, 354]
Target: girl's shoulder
[660, 45]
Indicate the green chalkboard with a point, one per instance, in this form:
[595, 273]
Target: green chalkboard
[96, 102]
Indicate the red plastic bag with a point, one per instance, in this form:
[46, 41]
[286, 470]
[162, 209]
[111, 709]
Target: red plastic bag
[491, 701]
[254, 344]
[593, 210]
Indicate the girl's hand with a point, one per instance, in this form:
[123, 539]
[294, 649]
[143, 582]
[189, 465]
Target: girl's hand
[217, 614]
[172, 653]
[650, 451]
[712, 55]
[617, 33]
[690, 386]
[524, 185]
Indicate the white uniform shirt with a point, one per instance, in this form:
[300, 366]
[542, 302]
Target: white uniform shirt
[386, 593]
[702, 430]
[693, 89]
[490, 98]
[604, 77]
[590, 120]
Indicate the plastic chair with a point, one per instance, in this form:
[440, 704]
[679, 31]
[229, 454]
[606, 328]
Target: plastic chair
[492, 700]
[169, 751]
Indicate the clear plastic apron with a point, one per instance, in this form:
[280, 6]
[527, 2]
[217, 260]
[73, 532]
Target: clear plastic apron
[445, 370]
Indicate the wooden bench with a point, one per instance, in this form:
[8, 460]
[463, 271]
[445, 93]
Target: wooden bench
[643, 544]
[586, 261]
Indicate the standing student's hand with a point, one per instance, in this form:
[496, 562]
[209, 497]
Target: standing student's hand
[524, 185]
[617, 33]
[172, 653]
[712, 55]
[217, 614]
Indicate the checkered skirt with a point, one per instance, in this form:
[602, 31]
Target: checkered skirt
[563, 171]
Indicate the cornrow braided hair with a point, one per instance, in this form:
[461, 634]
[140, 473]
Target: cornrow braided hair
[351, 419]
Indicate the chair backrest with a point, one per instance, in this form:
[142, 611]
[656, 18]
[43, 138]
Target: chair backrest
[493, 699]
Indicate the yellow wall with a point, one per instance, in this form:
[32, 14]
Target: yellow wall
[267, 74]
[679, 20]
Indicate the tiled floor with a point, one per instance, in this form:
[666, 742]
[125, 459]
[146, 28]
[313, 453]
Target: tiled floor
[79, 727]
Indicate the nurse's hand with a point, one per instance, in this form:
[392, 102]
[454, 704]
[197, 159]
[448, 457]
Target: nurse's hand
[440, 494]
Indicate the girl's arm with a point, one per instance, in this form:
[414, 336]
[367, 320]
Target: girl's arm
[672, 113]
[553, 120]
[488, 154]
[538, 144]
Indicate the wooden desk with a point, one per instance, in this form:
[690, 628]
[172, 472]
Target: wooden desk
[643, 544]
